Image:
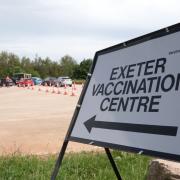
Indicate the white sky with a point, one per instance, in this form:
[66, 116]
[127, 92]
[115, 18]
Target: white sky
[79, 28]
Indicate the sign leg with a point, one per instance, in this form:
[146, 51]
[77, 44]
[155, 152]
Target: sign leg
[113, 164]
[59, 160]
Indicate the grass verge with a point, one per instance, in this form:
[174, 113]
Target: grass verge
[76, 166]
[79, 81]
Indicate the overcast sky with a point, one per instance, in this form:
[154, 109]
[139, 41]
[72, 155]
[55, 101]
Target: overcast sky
[79, 28]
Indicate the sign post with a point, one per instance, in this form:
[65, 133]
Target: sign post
[131, 99]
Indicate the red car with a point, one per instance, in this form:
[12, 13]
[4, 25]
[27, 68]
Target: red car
[25, 82]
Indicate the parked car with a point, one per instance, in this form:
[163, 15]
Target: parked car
[50, 81]
[19, 76]
[25, 82]
[6, 82]
[64, 80]
[37, 80]
[2, 82]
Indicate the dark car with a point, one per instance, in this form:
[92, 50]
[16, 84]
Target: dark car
[50, 81]
[6, 82]
[0, 83]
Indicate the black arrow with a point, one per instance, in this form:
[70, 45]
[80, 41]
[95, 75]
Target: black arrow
[140, 128]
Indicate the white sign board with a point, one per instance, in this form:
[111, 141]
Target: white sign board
[133, 99]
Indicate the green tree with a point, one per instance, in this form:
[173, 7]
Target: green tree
[67, 64]
[3, 63]
[85, 67]
[80, 72]
[43, 67]
[26, 65]
[9, 64]
[13, 64]
[77, 72]
[40, 66]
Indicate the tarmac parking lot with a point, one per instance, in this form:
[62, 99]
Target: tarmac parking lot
[33, 121]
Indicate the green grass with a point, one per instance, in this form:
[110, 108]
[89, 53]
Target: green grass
[75, 166]
[79, 81]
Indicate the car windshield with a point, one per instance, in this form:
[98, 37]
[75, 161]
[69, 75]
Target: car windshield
[50, 78]
[66, 78]
[18, 76]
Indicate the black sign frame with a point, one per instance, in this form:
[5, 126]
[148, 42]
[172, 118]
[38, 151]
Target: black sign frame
[157, 34]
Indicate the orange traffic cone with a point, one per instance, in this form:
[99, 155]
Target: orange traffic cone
[73, 93]
[39, 89]
[53, 91]
[65, 90]
[74, 86]
[47, 89]
[58, 92]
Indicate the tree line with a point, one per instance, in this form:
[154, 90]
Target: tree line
[10, 63]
